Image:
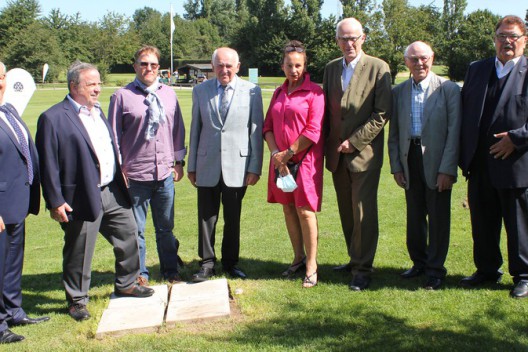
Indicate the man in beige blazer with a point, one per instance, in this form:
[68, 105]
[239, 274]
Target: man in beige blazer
[423, 151]
[358, 97]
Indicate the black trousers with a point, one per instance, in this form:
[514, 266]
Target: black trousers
[209, 199]
[489, 206]
[427, 210]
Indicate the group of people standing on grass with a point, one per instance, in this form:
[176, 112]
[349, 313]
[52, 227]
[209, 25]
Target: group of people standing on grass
[102, 175]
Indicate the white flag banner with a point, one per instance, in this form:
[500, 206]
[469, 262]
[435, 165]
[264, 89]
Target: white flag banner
[20, 87]
[45, 69]
[172, 25]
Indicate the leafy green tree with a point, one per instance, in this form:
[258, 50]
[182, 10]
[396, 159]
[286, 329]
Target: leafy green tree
[34, 46]
[16, 17]
[474, 41]
[116, 41]
[74, 35]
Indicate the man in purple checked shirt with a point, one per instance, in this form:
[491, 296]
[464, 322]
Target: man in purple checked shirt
[146, 119]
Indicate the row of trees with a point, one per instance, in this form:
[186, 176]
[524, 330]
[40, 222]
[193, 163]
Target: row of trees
[256, 28]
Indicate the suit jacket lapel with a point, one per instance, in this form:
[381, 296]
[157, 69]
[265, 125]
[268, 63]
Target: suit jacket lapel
[431, 99]
[512, 87]
[10, 133]
[406, 107]
[213, 94]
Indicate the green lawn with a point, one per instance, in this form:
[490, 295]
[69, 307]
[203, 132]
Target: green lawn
[273, 314]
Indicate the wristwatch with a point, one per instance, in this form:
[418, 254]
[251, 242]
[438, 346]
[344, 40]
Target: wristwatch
[290, 152]
[180, 162]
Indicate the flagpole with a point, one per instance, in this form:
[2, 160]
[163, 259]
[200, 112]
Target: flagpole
[172, 31]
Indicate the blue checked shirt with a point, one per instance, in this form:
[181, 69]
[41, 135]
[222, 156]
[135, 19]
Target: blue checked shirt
[418, 95]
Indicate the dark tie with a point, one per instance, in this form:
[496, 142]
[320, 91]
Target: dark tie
[224, 103]
[24, 146]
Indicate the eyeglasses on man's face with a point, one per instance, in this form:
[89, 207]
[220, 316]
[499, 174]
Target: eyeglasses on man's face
[152, 65]
[503, 37]
[416, 59]
[352, 39]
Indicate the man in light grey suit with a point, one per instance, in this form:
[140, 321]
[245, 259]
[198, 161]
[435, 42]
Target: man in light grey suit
[423, 151]
[225, 156]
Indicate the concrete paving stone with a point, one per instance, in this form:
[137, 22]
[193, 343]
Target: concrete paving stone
[205, 300]
[128, 314]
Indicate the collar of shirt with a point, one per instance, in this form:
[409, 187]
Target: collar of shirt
[423, 83]
[230, 84]
[504, 70]
[352, 64]
[78, 106]
[143, 87]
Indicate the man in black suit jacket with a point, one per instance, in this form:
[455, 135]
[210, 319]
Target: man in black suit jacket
[494, 156]
[19, 196]
[85, 190]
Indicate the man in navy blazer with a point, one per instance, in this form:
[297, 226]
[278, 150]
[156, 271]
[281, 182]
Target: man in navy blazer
[494, 156]
[19, 196]
[85, 190]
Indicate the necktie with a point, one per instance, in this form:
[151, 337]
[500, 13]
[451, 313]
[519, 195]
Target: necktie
[24, 146]
[224, 103]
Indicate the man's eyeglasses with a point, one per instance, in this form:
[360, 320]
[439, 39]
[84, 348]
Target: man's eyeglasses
[502, 37]
[153, 65]
[417, 59]
[352, 39]
[291, 48]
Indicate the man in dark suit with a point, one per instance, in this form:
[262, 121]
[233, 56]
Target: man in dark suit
[225, 156]
[19, 196]
[494, 156]
[423, 149]
[358, 102]
[85, 190]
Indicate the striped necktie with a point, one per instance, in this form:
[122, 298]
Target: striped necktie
[24, 146]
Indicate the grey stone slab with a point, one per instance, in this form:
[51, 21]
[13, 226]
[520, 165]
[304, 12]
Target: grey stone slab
[205, 300]
[128, 314]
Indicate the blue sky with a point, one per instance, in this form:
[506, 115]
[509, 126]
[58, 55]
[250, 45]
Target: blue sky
[92, 10]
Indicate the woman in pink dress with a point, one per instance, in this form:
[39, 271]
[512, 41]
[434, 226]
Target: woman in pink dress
[293, 132]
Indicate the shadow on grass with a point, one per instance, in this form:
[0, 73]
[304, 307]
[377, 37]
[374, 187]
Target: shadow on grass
[356, 328]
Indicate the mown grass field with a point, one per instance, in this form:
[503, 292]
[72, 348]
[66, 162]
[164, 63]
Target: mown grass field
[274, 314]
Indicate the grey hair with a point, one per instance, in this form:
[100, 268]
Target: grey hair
[75, 70]
[213, 58]
[345, 20]
[406, 52]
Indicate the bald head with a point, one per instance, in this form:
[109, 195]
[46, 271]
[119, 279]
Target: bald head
[419, 59]
[225, 64]
[350, 23]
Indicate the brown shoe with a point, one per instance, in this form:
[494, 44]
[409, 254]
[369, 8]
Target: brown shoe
[142, 281]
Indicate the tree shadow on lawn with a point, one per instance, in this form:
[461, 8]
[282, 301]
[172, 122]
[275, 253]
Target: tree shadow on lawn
[359, 328]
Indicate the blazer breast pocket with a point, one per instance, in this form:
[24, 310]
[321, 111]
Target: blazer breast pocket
[521, 105]
[244, 152]
[3, 186]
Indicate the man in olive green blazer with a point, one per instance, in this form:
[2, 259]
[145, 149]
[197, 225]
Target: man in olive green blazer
[358, 102]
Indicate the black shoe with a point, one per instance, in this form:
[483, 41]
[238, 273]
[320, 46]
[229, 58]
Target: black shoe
[27, 321]
[433, 283]
[412, 272]
[135, 291]
[174, 278]
[344, 267]
[235, 272]
[359, 283]
[78, 311]
[7, 336]
[203, 275]
[520, 290]
[478, 279]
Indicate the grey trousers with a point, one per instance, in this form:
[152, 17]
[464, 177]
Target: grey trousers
[117, 224]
